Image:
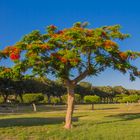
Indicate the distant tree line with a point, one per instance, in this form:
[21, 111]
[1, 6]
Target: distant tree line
[54, 92]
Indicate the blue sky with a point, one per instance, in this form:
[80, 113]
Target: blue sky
[19, 17]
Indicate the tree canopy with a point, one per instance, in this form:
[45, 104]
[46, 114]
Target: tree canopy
[60, 52]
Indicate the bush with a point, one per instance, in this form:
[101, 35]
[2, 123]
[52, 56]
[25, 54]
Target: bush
[76, 96]
[33, 97]
[54, 100]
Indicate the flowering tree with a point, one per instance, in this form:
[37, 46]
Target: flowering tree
[72, 54]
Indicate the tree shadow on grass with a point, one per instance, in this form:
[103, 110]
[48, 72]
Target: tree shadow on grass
[126, 116]
[108, 108]
[116, 118]
[32, 121]
[121, 118]
[29, 109]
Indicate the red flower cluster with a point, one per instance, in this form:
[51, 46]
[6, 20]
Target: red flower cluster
[60, 32]
[65, 60]
[109, 43]
[14, 56]
[123, 55]
[52, 27]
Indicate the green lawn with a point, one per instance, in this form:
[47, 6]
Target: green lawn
[106, 122]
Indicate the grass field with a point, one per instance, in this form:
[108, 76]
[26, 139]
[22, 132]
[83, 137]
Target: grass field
[106, 122]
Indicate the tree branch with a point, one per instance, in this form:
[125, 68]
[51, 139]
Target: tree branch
[80, 77]
[86, 72]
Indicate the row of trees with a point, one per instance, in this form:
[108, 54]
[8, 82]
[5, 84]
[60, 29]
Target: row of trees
[56, 89]
[39, 98]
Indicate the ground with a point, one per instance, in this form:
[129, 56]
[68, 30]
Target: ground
[106, 122]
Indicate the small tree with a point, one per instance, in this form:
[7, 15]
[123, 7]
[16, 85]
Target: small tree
[33, 98]
[92, 100]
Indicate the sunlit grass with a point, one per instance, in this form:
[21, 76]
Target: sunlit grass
[106, 122]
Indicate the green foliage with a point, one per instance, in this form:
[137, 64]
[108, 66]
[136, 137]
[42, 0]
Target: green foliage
[72, 48]
[130, 99]
[77, 98]
[1, 99]
[45, 101]
[33, 97]
[118, 98]
[119, 90]
[54, 100]
[64, 98]
[86, 85]
[91, 99]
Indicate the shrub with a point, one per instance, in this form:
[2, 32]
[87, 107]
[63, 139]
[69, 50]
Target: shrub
[54, 100]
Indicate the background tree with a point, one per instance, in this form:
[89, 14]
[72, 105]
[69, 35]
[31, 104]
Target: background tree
[92, 100]
[72, 54]
[54, 100]
[120, 90]
[130, 99]
[33, 98]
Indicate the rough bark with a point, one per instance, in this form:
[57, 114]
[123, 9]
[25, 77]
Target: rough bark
[70, 107]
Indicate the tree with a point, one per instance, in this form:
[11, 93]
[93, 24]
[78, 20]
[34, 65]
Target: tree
[130, 99]
[91, 99]
[33, 98]
[86, 85]
[72, 54]
[119, 90]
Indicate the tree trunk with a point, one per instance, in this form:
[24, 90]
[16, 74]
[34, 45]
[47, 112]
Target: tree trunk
[34, 107]
[70, 107]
